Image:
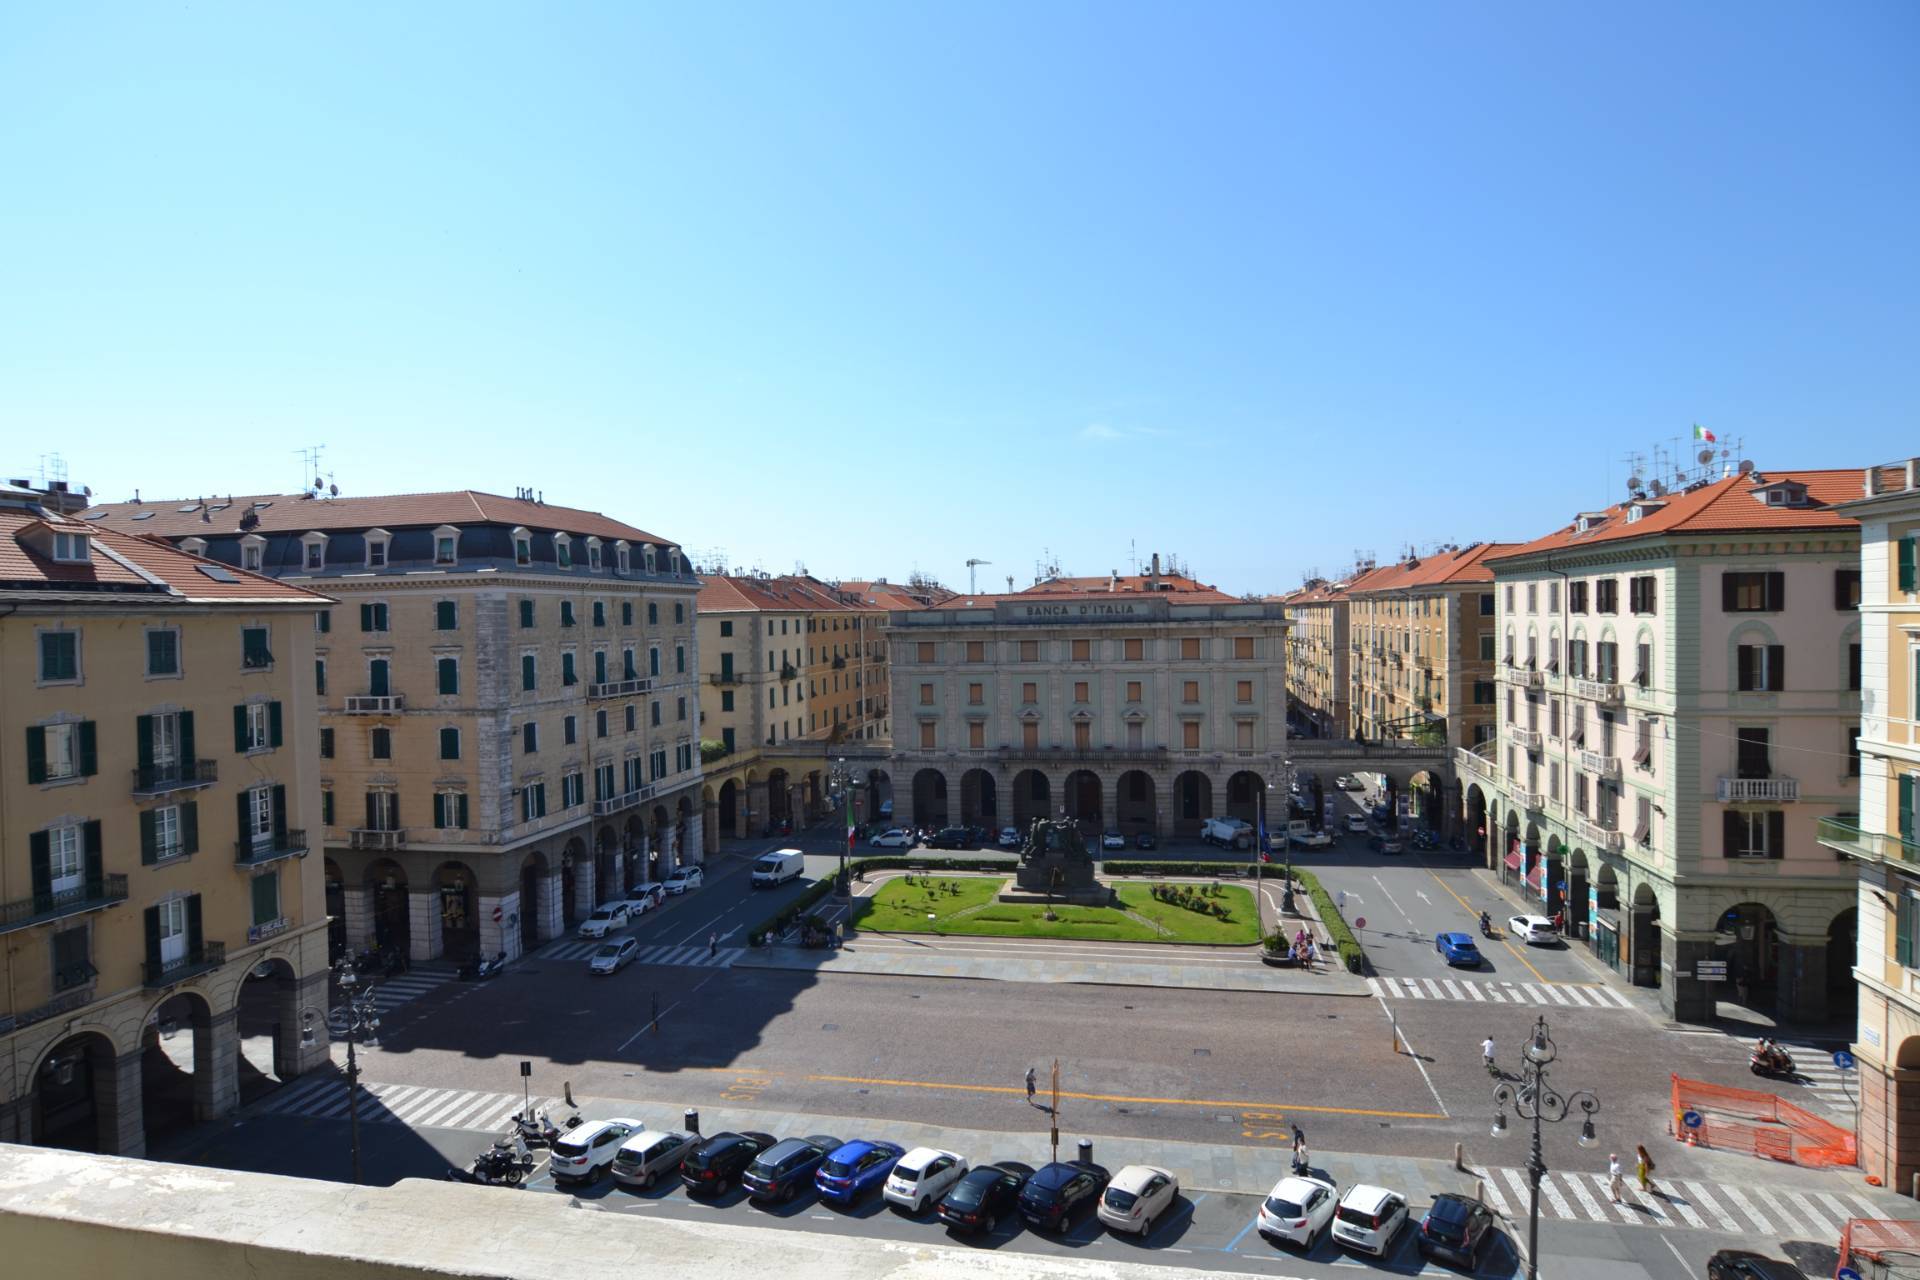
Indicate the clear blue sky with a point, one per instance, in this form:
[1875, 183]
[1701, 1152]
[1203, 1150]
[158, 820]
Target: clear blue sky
[885, 286]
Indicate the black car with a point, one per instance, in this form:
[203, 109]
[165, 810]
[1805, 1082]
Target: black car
[1738, 1264]
[951, 838]
[976, 1202]
[1048, 1201]
[780, 1172]
[1456, 1230]
[1146, 840]
[713, 1166]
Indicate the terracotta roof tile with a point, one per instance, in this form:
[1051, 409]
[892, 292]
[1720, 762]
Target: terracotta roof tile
[122, 563]
[1466, 565]
[789, 593]
[297, 513]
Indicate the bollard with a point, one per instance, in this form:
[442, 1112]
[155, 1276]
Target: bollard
[1460, 1156]
[1086, 1150]
[691, 1119]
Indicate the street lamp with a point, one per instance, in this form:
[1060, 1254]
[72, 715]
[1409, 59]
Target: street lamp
[355, 1018]
[840, 793]
[1534, 1099]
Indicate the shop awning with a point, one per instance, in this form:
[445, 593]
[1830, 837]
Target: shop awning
[1513, 861]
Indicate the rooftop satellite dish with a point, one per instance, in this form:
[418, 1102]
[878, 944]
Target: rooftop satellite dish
[1706, 456]
[1746, 466]
[1633, 481]
[333, 490]
[1659, 488]
[319, 481]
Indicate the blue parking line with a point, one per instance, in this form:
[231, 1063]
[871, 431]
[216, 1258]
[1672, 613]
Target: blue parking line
[1234, 1243]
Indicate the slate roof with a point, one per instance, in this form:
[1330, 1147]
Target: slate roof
[121, 564]
[297, 513]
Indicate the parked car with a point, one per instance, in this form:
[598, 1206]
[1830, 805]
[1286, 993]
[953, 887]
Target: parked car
[1227, 833]
[922, 1176]
[1739, 1264]
[977, 1201]
[780, 1172]
[582, 1153]
[893, 838]
[854, 1169]
[645, 1155]
[612, 957]
[681, 879]
[605, 919]
[643, 899]
[1136, 1198]
[1297, 1210]
[1010, 838]
[1369, 1218]
[776, 868]
[1458, 950]
[1357, 822]
[1535, 930]
[1054, 1194]
[1312, 839]
[1386, 844]
[710, 1168]
[1113, 840]
[1343, 782]
[1456, 1230]
[1146, 840]
[951, 838]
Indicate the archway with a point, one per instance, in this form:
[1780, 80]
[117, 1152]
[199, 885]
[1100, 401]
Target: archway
[1032, 798]
[662, 856]
[1553, 875]
[979, 804]
[930, 798]
[177, 1072]
[336, 900]
[1748, 938]
[709, 822]
[533, 879]
[1644, 936]
[730, 807]
[879, 797]
[779, 810]
[1390, 798]
[633, 851]
[1135, 804]
[456, 890]
[812, 804]
[387, 888]
[1901, 1132]
[1192, 802]
[1425, 794]
[571, 859]
[76, 1096]
[268, 1021]
[1082, 798]
[1606, 920]
[1476, 822]
[1843, 950]
[1511, 859]
[608, 878]
[1578, 900]
[1244, 791]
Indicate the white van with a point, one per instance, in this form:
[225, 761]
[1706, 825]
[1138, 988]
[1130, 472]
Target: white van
[777, 867]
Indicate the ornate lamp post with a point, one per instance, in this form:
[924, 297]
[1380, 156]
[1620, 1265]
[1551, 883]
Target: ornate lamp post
[355, 1019]
[1532, 1098]
[840, 795]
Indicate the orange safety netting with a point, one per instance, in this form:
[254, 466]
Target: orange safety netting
[1881, 1247]
[1759, 1124]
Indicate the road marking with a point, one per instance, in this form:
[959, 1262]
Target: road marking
[1492, 1187]
[1578, 1185]
[1423, 897]
[1705, 1200]
[1780, 1211]
[1396, 905]
[1523, 960]
[1812, 1211]
[1745, 1206]
[1605, 1183]
[1553, 1193]
[1451, 989]
[651, 1021]
[1414, 1054]
[1214, 1103]
[1519, 1184]
[1473, 989]
[1686, 1211]
[1558, 998]
[1667, 1241]
[1231, 1244]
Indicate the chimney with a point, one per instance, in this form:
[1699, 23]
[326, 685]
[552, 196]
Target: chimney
[1113, 580]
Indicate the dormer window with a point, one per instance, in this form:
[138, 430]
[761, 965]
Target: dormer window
[622, 556]
[194, 546]
[253, 549]
[647, 552]
[446, 544]
[377, 542]
[522, 547]
[313, 551]
[563, 550]
[70, 548]
[1782, 493]
[593, 553]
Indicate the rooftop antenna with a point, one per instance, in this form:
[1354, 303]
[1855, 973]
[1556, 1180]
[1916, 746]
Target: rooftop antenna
[310, 466]
[972, 566]
[52, 467]
[1009, 584]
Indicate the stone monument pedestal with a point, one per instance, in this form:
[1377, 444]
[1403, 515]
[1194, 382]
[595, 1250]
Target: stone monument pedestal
[1055, 866]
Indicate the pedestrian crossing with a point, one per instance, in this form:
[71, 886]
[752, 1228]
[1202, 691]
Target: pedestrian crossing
[324, 1097]
[390, 993]
[1751, 1210]
[1527, 993]
[698, 957]
[1814, 1073]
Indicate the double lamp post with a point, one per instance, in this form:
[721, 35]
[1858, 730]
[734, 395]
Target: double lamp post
[1532, 1098]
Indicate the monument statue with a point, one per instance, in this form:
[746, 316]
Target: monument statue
[1056, 866]
[1060, 838]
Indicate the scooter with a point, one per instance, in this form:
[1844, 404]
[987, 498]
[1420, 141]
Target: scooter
[1774, 1061]
[1486, 927]
[477, 970]
[540, 1131]
[507, 1160]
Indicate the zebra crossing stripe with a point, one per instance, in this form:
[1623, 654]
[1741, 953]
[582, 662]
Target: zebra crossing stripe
[1745, 1206]
[1648, 1201]
[1493, 994]
[1491, 1186]
[1686, 1211]
[1704, 1198]
[1452, 991]
[1866, 1208]
[298, 1094]
[1840, 1212]
[1814, 1213]
[1779, 1211]
[1560, 1204]
[1473, 989]
[430, 1113]
[1558, 998]
[1620, 1207]
[1578, 1185]
[1617, 997]
[1518, 1183]
[1373, 986]
[1434, 987]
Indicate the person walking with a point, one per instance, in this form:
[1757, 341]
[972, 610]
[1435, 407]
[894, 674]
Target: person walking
[713, 944]
[1615, 1183]
[1032, 1078]
[1486, 1051]
[1643, 1169]
[1302, 1162]
[836, 935]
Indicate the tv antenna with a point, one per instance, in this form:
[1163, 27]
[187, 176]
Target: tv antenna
[310, 466]
[972, 566]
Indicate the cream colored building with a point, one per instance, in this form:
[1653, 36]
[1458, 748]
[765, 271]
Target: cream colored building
[509, 696]
[1883, 748]
[1674, 698]
[157, 775]
[1145, 703]
[1318, 657]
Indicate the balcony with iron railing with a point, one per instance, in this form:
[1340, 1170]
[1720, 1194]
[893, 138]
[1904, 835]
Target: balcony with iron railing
[1603, 763]
[174, 775]
[76, 992]
[624, 688]
[1528, 739]
[1774, 790]
[788, 671]
[1526, 677]
[1604, 692]
[374, 704]
[205, 958]
[1531, 801]
[44, 908]
[281, 844]
[624, 800]
[839, 663]
[1599, 836]
[1844, 834]
[724, 678]
[1156, 754]
[387, 838]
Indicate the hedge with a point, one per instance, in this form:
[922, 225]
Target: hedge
[1172, 867]
[1351, 952]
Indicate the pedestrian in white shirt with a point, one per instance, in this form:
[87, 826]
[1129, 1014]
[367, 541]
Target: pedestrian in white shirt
[1616, 1183]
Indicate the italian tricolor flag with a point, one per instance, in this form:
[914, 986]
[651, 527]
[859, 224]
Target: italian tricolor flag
[1701, 433]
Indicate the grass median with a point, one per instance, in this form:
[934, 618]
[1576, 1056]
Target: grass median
[967, 906]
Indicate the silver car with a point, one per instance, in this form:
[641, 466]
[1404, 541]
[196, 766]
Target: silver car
[645, 1156]
[611, 957]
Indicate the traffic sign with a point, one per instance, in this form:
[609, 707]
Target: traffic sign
[1843, 1060]
[1361, 923]
[1847, 1273]
[1691, 1119]
[1710, 970]
[496, 915]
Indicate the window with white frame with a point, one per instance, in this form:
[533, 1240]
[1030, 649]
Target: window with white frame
[593, 553]
[166, 832]
[70, 548]
[259, 726]
[65, 860]
[260, 816]
[446, 544]
[313, 551]
[251, 551]
[563, 550]
[522, 547]
[63, 751]
[377, 540]
[621, 557]
[173, 931]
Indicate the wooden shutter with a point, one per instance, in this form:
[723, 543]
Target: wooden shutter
[187, 761]
[1842, 588]
[279, 816]
[1906, 564]
[243, 817]
[195, 948]
[1729, 592]
[1906, 808]
[190, 827]
[1730, 833]
[36, 754]
[40, 860]
[439, 810]
[460, 809]
[240, 729]
[93, 851]
[143, 745]
[1903, 915]
[149, 841]
[366, 617]
[273, 724]
[89, 757]
[373, 813]
[153, 942]
[1775, 595]
[1777, 834]
[1743, 663]
[1776, 667]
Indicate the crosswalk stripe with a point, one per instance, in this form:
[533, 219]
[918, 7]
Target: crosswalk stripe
[1605, 1183]
[1518, 1183]
[1560, 1204]
[1558, 997]
[1493, 994]
[460, 1117]
[434, 1108]
[1618, 997]
[1840, 1212]
[1648, 1201]
[1434, 987]
[1373, 986]
[1866, 1208]
[1473, 989]
[1780, 1211]
[1453, 992]
[1577, 1185]
[1745, 1206]
[1704, 1198]
[1491, 1186]
[1814, 1213]
[1574, 996]
[298, 1094]
[1686, 1211]
[1532, 992]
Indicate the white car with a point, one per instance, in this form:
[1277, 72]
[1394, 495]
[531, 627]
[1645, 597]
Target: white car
[581, 1154]
[681, 879]
[1010, 838]
[1535, 930]
[643, 899]
[1357, 822]
[605, 919]
[893, 838]
[613, 956]
[1297, 1210]
[1342, 783]
[1369, 1218]
[1113, 840]
[1313, 839]
[1137, 1197]
[648, 1153]
[922, 1176]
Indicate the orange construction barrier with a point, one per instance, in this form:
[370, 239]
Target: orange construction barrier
[1760, 1124]
[1881, 1248]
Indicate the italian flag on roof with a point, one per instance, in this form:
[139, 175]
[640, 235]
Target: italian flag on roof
[1701, 433]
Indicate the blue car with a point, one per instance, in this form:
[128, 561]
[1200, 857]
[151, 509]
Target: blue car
[855, 1168]
[1458, 950]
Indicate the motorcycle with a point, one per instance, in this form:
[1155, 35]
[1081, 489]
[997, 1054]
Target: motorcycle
[540, 1131]
[477, 970]
[506, 1161]
[1773, 1061]
[1486, 927]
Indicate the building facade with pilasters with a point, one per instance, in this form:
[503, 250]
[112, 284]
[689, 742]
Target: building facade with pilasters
[1144, 704]
[509, 709]
[1677, 683]
[158, 903]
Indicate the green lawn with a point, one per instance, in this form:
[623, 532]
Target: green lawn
[965, 905]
